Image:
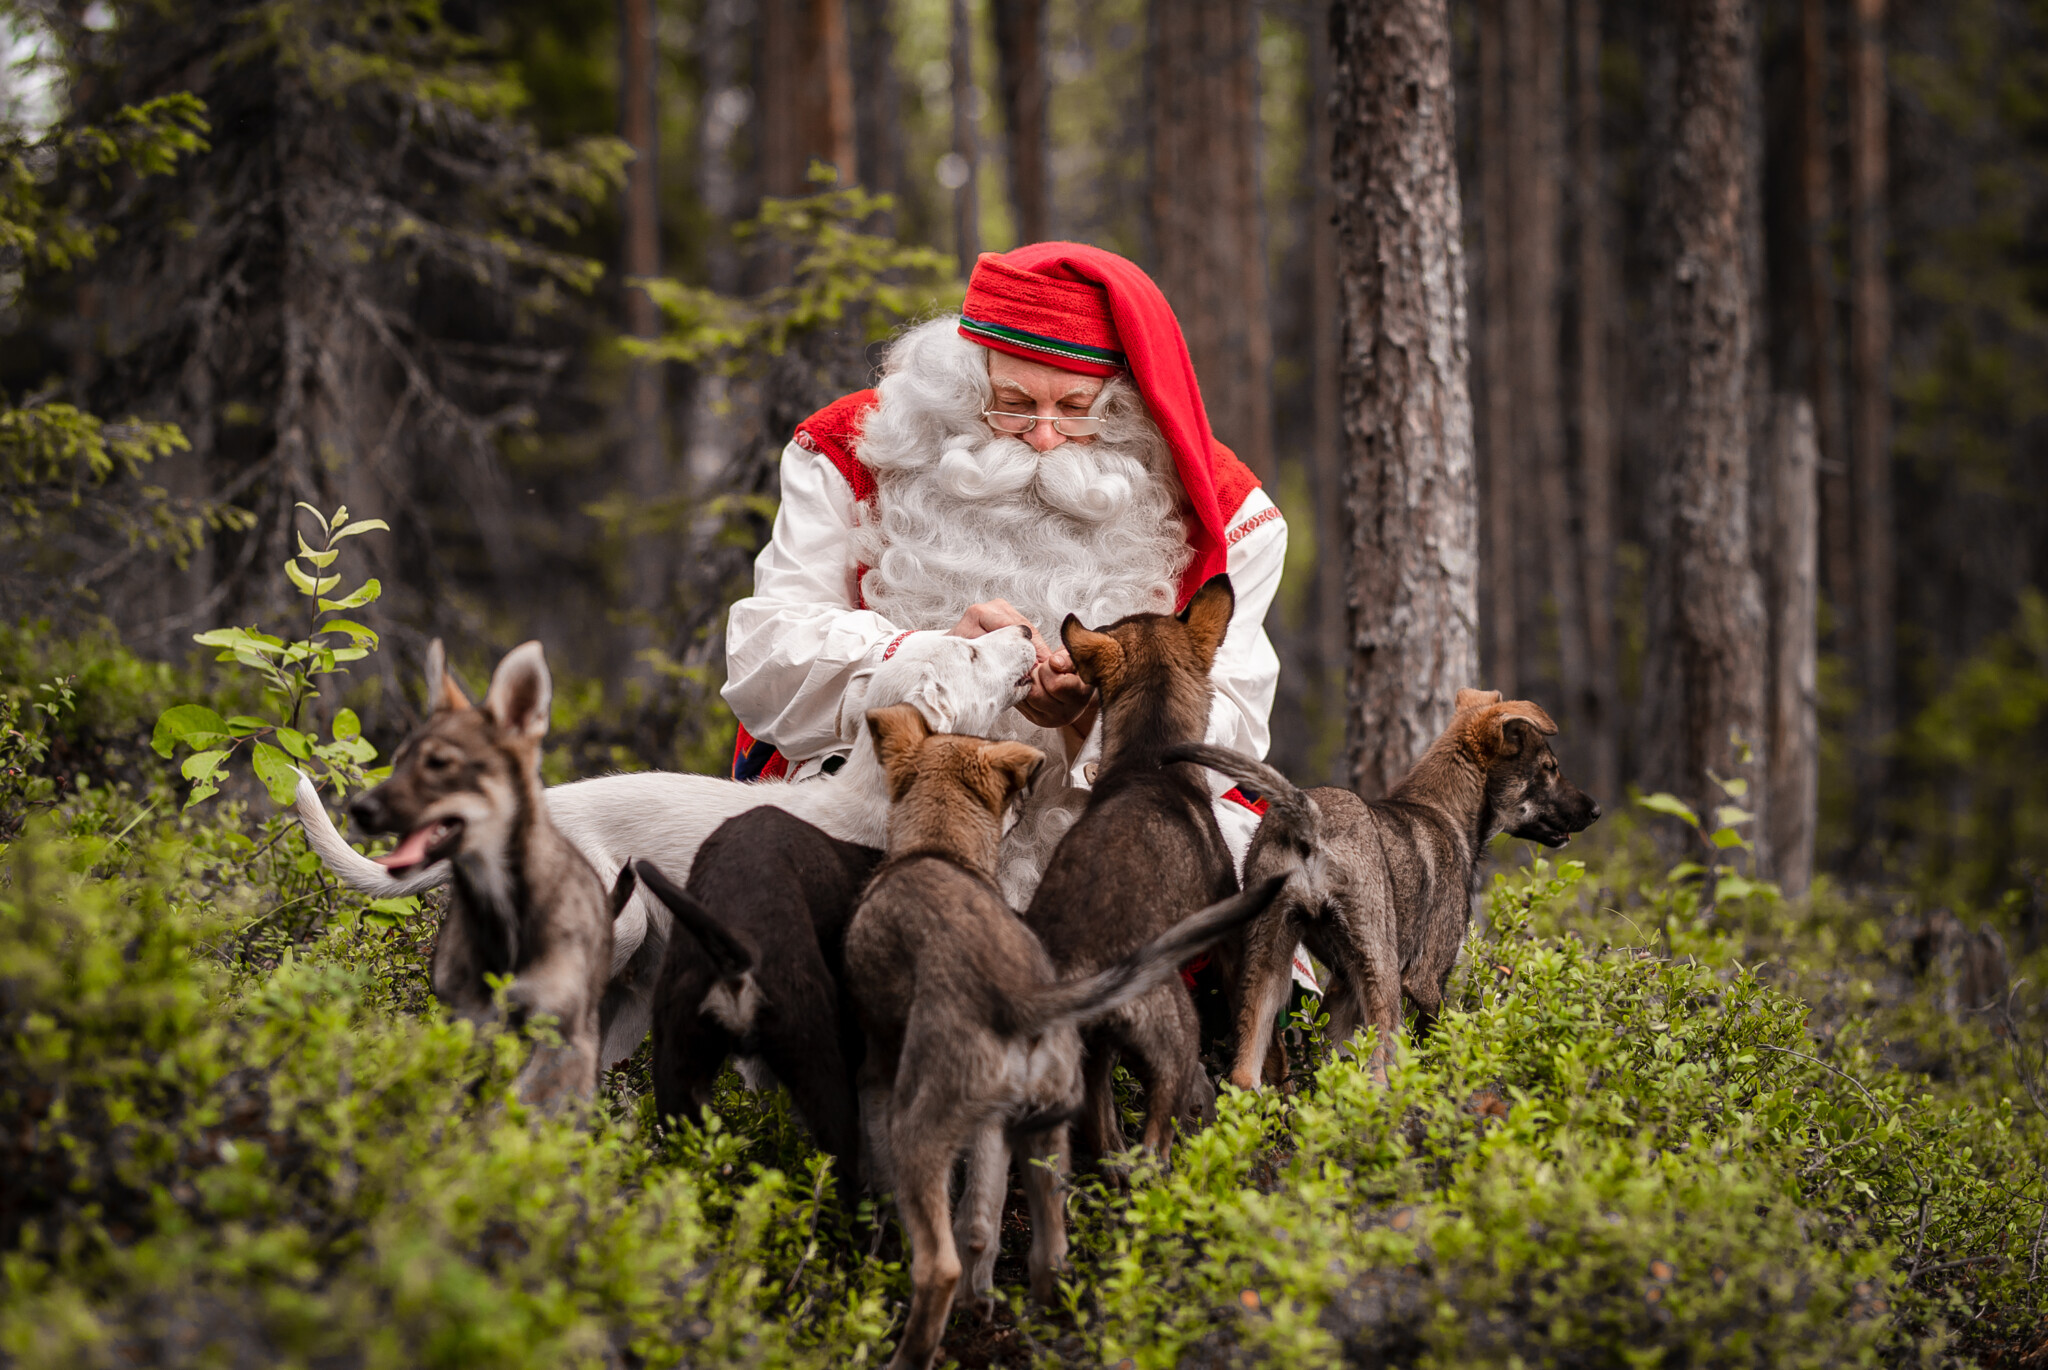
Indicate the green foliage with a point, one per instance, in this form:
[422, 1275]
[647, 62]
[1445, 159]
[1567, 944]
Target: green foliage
[1980, 739]
[39, 230]
[214, 1161]
[51, 453]
[1600, 1156]
[839, 269]
[290, 672]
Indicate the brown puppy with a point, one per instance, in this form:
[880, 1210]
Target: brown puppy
[1145, 853]
[972, 1044]
[1382, 891]
[466, 786]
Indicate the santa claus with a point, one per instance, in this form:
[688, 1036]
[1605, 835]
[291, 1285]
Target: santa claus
[1044, 452]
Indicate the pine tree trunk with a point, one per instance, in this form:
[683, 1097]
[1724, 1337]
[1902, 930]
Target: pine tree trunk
[1020, 46]
[1326, 352]
[1870, 405]
[1794, 755]
[803, 90]
[1821, 347]
[967, 195]
[1411, 545]
[1705, 675]
[1207, 214]
[1598, 712]
[646, 456]
[877, 98]
[1502, 584]
[1536, 175]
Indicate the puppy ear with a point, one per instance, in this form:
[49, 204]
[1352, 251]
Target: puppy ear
[1016, 763]
[1208, 616]
[442, 691]
[1512, 728]
[520, 693]
[934, 702]
[1474, 699]
[899, 731]
[1097, 657]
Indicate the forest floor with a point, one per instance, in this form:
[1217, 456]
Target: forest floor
[1668, 1118]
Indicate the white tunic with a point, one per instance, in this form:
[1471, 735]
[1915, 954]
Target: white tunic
[799, 650]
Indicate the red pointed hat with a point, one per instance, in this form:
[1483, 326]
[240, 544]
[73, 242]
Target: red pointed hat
[1082, 309]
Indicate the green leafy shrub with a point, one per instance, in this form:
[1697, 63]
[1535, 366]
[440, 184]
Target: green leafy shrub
[275, 1168]
[1600, 1156]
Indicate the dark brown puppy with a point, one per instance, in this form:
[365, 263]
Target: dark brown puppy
[466, 787]
[1381, 892]
[1145, 853]
[756, 967]
[972, 1044]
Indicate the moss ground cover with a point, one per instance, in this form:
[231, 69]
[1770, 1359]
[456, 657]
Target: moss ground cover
[1656, 1127]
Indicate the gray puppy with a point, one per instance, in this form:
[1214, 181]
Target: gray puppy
[972, 1040]
[465, 788]
[1382, 891]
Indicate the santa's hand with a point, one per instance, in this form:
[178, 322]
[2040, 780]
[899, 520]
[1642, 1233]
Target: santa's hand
[1058, 699]
[981, 619]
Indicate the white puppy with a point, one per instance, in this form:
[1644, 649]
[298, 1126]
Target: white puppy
[960, 685]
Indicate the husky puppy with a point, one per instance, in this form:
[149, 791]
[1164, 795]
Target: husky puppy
[972, 1041]
[756, 967]
[1145, 853]
[465, 790]
[1381, 891]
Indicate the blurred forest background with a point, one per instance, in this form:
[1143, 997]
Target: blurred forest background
[399, 273]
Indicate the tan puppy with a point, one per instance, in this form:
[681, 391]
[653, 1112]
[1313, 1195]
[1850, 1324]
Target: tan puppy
[972, 1041]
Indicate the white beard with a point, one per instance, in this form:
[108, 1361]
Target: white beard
[964, 516]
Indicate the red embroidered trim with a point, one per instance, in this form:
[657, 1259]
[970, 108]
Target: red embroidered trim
[896, 642]
[1238, 533]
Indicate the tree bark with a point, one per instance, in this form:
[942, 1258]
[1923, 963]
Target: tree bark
[1794, 754]
[646, 456]
[1503, 648]
[1706, 670]
[967, 195]
[1020, 47]
[1326, 354]
[1821, 346]
[803, 90]
[877, 97]
[1207, 214]
[1870, 408]
[1536, 175]
[1597, 713]
[1411, 550]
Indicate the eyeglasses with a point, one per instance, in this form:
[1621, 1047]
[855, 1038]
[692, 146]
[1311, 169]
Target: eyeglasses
[1020, 424]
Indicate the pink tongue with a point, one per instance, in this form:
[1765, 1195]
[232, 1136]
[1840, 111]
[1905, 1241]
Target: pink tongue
[413, 850]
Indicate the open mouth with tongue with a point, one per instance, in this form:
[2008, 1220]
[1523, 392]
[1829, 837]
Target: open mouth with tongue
[430, 841]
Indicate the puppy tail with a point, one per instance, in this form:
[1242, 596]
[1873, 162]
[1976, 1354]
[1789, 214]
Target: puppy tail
[1106, 991]
[736, 997]
[356, 870]
[1289, 812]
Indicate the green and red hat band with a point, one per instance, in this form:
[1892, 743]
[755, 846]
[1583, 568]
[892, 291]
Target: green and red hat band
[1067, 356]
[1062, 322]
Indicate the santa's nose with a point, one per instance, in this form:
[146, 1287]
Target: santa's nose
[1042, 437]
